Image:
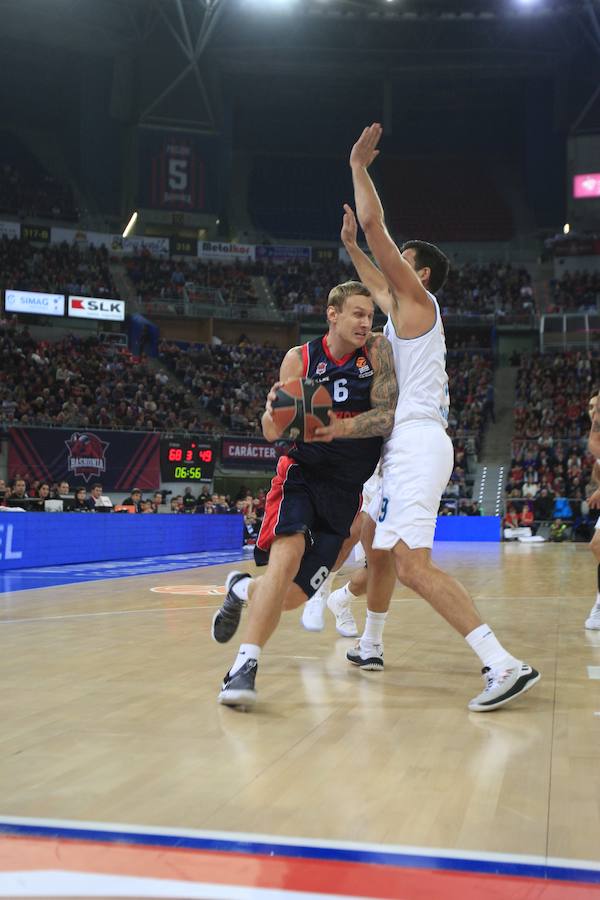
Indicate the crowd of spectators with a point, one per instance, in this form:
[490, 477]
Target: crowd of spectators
[470, 377]
[81, 382]
[86, 383]
[230, 382]
[31, 192]
[551, 466]
[302, 287]
[31, 494]
[251, 506]
[496, 288]
[57, 268]
[575, 292]
[552, 394]
[471, 289]
[194, 280]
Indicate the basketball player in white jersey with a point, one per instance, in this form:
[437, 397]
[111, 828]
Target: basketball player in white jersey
[418, 456]
[592, 623]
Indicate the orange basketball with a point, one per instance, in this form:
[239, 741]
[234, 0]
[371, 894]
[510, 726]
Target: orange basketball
[301, 406]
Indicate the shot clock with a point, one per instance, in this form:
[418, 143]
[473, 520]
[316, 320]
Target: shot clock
[186, 459]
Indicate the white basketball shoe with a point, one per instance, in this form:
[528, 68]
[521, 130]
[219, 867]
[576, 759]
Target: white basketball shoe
[593, 620]
[502, 686]
[339, 603]
[313, 614]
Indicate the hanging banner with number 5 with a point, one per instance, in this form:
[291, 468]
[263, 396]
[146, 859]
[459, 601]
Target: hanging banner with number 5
[179, 171]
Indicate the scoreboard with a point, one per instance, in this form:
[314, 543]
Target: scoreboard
[187, 459]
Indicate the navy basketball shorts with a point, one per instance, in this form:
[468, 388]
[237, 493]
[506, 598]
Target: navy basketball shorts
[301, 502]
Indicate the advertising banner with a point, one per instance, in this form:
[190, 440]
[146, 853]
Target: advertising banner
[135, 246]
[183, 246]
[29, 540]
[104, 309]
[248, 453]
[225, 252]
[282, 253]
[39, 234]
[79, 236]
[120, 460]
[34, 303]
[10, 230]
[324, 254]
[586, 186]
[577, 247]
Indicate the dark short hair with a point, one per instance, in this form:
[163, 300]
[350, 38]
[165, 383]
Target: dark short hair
[79, 489]
[136, 491]
[97, 485]
[431, 257]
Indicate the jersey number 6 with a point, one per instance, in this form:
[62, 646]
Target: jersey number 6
[340, 391]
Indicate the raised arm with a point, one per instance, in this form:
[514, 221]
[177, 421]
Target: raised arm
[368, 273]
[378, 421]
[400, 275]
[292, 366]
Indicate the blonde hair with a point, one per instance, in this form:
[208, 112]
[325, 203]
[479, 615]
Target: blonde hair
[338, 294]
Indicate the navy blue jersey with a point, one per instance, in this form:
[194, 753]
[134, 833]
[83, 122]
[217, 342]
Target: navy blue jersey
[348, 381]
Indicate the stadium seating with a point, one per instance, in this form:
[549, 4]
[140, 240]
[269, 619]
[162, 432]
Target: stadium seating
[26, 189]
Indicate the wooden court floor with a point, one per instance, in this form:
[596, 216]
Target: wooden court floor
[109, 713]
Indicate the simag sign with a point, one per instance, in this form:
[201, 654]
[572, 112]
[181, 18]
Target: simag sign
[97, 308]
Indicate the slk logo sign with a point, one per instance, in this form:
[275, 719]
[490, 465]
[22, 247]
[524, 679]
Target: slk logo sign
[97, 308]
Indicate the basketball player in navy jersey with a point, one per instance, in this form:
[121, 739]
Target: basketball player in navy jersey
[417, 457]
[316, 492]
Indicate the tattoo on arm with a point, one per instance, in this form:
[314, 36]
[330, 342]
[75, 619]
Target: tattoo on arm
[378, 421]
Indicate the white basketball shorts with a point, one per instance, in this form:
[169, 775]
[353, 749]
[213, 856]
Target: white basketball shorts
[417, 464]
[371, 489]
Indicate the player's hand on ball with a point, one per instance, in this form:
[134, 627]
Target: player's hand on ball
[327, 433]
[271, 397]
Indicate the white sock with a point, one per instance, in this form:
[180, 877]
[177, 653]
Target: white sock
[241, 587]
[597, 603]
[488, 648]
[246, 652]
[373, 633]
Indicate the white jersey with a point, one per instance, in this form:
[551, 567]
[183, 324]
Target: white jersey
[420, 365]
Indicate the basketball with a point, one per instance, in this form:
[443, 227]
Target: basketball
[301, 406]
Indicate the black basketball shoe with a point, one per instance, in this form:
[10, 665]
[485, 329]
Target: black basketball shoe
[226, 619]
[238, 689]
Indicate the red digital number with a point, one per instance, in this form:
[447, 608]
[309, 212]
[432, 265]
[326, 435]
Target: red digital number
[175, 455]
[189, 455]
[206, 455]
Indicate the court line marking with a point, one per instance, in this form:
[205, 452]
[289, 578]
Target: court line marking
[47, 883]
[117, 612]
[274, 845]
[123, 612]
